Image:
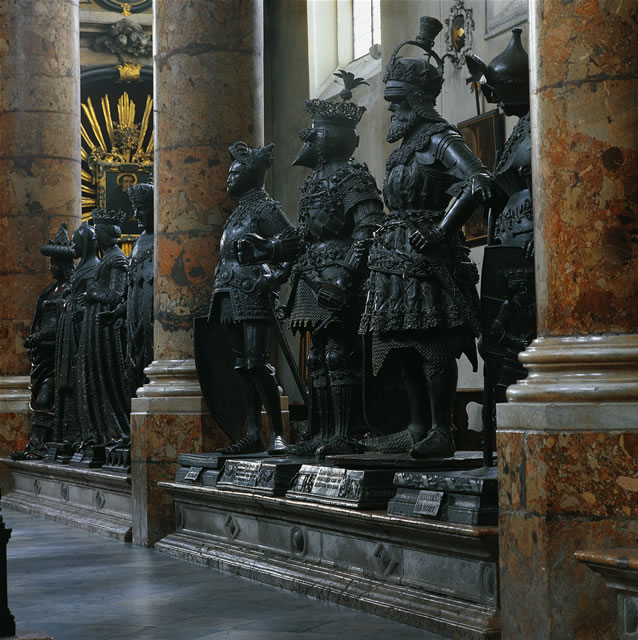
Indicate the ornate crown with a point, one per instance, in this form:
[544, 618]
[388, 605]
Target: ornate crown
[61, 246]
[345, 113]
[417, 72]
[141, 194]
[100, 216]
[252, 158]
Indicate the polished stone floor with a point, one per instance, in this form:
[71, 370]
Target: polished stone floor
[74, 585]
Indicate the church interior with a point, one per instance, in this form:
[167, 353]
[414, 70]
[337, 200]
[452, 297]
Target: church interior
[319, 318]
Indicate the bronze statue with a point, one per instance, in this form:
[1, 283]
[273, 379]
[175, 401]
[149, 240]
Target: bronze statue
[508, 262]
[422, 307]
[101, 387]
[67, 429]
[139, 300]
[508, 305]
[241, 311]
[40, 345]
[339, 210]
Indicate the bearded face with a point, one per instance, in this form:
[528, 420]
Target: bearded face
[404, 119]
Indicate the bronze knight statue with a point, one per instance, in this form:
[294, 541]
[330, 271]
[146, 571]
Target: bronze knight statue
[241, 311]
[422, 306]
[339, 210]
[40, 345]
[508, 267]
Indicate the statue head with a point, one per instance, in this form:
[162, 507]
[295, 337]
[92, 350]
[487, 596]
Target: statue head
[333, 134]
[107, 227]
[141, 197]
[248, 168]
[60, 251]
[413, 84]
[505, 80]
[84, 241]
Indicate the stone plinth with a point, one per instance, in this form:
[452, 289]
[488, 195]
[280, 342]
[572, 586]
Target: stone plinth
[90, 499]
[436, 575]
[619, 568]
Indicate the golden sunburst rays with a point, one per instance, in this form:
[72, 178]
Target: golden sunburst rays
[109, 141]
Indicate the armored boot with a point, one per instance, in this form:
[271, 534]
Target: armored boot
[420, 420]
[253, 441]
[343, 393]
[268, 389]
[321, 414]
[439, 442]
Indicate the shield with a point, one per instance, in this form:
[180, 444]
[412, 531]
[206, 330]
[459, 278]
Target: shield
[222, 387]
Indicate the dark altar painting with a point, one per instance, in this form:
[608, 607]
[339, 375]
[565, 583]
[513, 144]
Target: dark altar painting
[484, 136]
[114, 184]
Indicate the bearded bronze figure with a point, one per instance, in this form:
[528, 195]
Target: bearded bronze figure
[422, 309]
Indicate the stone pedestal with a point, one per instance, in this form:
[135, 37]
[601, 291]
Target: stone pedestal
[208, 93]
[568, 437]
[39, 177]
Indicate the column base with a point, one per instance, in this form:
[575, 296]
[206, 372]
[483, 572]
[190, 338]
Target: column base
[567, 483]
[15, 420]
[168, 416]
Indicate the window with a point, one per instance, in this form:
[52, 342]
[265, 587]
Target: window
[339, 33]
[366, 26]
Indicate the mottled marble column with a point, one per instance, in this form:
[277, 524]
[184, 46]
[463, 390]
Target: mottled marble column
[568, 437]
[208, 93]
[39, 176]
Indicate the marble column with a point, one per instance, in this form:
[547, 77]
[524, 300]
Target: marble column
[568, 437]
[208, 93]
[39, 177]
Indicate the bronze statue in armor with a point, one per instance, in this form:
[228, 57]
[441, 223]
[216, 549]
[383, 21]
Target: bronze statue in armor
[242, 294]
[422, 306]
[40, 345]
[508, 267]
[339, 210]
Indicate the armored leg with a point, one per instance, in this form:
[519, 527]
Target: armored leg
[320, 414]
[345, 384]
[441, 392]
[252, 441]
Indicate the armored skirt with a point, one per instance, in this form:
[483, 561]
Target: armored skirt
[420, 301]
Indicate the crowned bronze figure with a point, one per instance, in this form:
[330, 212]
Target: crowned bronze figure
[67, 429]
[339, 210]
[41, 342]
[101, 387]
[139, 299]
[422, 307]
[237, 381]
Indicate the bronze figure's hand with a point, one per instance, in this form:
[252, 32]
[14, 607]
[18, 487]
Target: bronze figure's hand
[253, 249]
[482, 187]
[425, 238]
